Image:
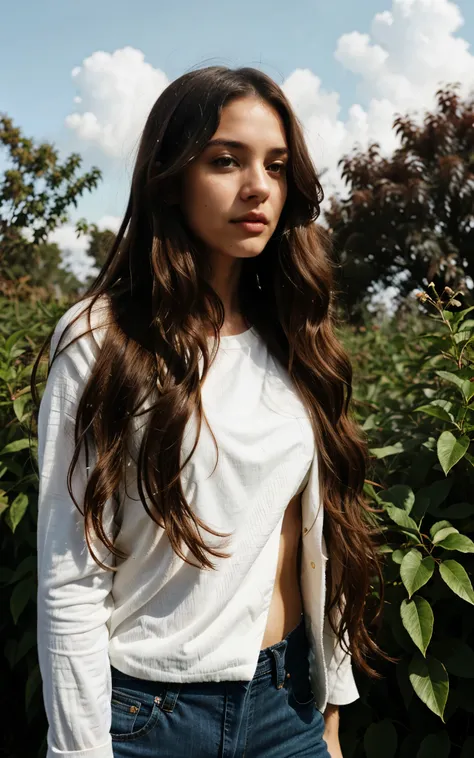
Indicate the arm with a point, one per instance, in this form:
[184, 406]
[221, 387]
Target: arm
[331, 730]
[74, 594]
[342, 688]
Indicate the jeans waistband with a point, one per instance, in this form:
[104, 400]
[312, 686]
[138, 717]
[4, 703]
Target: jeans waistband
[272, 658]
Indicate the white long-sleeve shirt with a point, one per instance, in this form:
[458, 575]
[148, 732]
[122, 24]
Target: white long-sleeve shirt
[156, 617]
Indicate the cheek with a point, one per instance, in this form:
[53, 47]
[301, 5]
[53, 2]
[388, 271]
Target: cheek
[283, 196]
[206, 205]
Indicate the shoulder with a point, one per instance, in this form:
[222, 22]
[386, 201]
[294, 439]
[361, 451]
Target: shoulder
[79, 335]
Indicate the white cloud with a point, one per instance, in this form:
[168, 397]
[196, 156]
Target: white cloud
[411, 50]
[115, 93]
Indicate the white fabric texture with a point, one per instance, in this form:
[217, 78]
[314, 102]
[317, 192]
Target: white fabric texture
[157, 617]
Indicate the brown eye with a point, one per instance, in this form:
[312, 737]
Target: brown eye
[280, 168]
[217, 161]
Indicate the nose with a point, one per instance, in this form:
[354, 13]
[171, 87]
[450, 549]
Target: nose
[256, 184]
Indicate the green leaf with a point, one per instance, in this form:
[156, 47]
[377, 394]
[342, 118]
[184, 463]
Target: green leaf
[439, 409]
[19, 598]
[398, 556]
[415, 571]
[418, 620]
[19, 406]
[462, 336]
[430, 681]
[380, 740]
[457, 580]
[435, 746]
[438, 526]
[399, 495]
[454, 511]
[451, 449]
[16, 511]
[369, 490]
[15, 337]
[15, 446]
[456, 655]
[437, 492]
[384, 452]
[443, 533]
[400, 517]
[457, 542]
[463, 385]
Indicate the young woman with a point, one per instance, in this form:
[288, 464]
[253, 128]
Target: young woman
[203, 554]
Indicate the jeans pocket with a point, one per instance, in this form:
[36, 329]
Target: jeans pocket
[134, 714]
[300, 693]
[298, 682]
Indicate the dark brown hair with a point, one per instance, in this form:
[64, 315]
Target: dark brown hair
[155, 283]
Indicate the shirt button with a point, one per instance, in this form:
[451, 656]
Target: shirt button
[305, 530]
[313, 565]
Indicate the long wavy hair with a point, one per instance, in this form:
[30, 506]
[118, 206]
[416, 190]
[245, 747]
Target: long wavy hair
[162, 308]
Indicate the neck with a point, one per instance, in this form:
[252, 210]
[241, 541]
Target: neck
[224, 279]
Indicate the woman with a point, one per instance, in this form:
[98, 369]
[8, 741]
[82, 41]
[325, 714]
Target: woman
[193, 425]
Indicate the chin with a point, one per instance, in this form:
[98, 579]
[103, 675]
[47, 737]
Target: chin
[249, 249]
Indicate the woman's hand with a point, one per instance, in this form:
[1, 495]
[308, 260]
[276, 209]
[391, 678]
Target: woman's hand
[331, 730]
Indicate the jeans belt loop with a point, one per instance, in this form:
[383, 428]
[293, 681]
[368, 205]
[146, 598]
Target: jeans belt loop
[279, 667]
[170, 698]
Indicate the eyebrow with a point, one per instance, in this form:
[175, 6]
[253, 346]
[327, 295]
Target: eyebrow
[236, 145]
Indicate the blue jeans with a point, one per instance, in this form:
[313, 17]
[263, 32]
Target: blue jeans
[272, 716]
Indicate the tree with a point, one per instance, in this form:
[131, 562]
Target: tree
[36, 193]
[100, 244]
[412, 212]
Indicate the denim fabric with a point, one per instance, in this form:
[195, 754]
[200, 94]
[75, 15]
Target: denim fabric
[272, 716]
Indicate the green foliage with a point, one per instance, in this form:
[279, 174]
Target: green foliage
[23, 328]
[414, 398]
[37, 191]
[413, 384]
[100, 244]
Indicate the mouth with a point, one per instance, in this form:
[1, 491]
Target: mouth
[253, 227]
[252, 223]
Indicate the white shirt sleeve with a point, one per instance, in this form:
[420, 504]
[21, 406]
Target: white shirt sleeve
[342, 687]
[74, 593]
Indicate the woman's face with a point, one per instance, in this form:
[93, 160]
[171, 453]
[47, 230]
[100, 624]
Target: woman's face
[242, 173]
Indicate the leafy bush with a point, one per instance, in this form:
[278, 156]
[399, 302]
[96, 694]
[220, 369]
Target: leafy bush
[23, 327]
[415, 394]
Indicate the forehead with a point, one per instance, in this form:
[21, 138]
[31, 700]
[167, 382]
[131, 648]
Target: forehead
[252, 121]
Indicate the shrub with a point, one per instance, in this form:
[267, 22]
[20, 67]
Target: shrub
[415, 396]
[414, 390]
[23, 327]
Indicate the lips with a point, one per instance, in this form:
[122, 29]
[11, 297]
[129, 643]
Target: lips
[252, 218]
[251, 227]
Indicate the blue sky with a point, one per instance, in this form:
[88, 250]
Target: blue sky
[344, 86]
